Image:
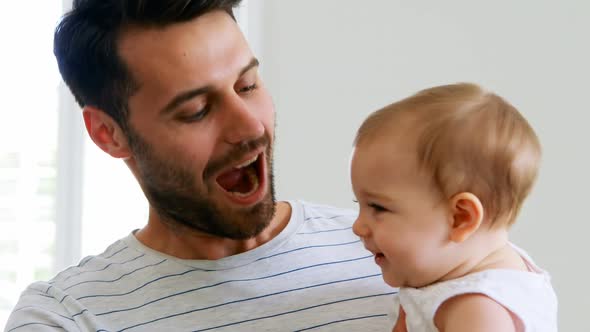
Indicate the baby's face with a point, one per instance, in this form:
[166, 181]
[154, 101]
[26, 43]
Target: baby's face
[402, 219]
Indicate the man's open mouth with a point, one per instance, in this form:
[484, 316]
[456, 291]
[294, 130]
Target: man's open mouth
[243, 180]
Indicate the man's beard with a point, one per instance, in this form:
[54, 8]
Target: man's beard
[171, 189]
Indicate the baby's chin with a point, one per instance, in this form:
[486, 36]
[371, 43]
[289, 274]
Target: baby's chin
[399, 282]
[393, 281]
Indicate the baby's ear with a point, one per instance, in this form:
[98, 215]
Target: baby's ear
[467, 216]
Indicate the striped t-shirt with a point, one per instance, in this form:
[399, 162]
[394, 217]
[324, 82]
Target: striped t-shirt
[314, 276]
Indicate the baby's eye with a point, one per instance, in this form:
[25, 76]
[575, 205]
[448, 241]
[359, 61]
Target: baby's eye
[377, 208]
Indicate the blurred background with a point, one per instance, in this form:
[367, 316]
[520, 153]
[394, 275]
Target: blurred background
[328, 64]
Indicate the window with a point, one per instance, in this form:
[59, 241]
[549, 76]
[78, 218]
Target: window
[28, 147]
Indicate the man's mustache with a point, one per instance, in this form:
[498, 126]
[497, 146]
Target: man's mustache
[236, 154]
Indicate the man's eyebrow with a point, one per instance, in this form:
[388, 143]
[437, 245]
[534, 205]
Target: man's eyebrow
[253, 63]
[190, 94]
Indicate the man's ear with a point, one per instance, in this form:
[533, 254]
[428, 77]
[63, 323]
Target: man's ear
[467, 216]
[105, 132]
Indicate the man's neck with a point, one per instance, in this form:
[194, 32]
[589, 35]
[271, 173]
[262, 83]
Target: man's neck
[190, 244]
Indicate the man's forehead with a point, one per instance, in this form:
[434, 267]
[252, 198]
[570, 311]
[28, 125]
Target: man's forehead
[175, 46]
[199, 26]
[191, 54]
[208, 52]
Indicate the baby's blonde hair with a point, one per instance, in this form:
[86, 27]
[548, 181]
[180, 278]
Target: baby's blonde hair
[469, 140]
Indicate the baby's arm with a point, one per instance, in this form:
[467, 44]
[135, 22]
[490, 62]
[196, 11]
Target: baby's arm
[400, 324]
[473, 313]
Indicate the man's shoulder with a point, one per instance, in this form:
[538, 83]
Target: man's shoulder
[57, 302]
[39, 307]
[327, 214]
[115, 255]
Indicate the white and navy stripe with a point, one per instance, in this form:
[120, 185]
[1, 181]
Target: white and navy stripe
[314, 276]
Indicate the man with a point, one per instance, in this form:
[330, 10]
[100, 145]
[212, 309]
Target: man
[172, 88]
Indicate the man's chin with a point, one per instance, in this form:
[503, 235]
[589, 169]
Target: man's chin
[218, 217]
[250, 221]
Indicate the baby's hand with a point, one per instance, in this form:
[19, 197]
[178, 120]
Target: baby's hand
[400, 325]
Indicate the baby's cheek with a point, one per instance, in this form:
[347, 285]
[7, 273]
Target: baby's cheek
[421, 260]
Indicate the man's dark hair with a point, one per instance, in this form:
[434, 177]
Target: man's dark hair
[85, 45]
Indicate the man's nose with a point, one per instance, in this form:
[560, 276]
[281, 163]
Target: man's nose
[242, 122]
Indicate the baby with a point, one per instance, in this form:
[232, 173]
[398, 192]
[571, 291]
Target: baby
[439, 178]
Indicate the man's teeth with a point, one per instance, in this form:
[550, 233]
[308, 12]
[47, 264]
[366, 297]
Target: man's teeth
[247, 163]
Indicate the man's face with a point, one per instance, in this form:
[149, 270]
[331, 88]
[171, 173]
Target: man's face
[201, 126]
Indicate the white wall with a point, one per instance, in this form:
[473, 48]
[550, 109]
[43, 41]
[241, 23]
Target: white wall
[331, 62]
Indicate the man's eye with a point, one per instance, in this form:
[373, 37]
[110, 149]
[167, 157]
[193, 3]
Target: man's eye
[198, 115]
[249, 88]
